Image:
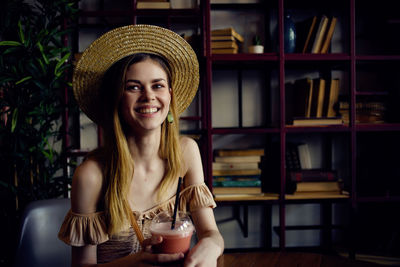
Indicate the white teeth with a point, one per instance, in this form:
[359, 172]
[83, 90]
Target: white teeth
[147, 110]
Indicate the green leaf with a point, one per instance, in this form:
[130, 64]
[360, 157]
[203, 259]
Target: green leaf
[61, 62]
[46, 60]
[42, 66]
[14, 120]
[24, 79]
[10, 43]
[21, 32]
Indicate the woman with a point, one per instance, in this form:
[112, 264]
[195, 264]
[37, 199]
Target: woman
[134, 81]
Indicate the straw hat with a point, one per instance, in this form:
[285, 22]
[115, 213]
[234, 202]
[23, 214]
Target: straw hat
[127, 40]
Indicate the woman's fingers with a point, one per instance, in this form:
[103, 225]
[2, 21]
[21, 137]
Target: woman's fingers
[162, 258]
[148, 243]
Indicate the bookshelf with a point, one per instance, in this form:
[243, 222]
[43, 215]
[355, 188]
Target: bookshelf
[364, 55]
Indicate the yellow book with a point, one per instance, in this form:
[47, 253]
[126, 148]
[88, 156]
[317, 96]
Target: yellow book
[332, 98]
[236, 172]
[316, 48]
[329, 35]
[222, 38]
[237, 190]
[240, 152]
[224, 50]
[224, 44]
[153, 5]
[227, 31]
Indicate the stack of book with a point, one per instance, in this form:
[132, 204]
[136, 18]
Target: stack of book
[237, 171]
[366, 111]
[316, 102]
[314, 35]
[314, 181]
[225, 41]
[153, 4]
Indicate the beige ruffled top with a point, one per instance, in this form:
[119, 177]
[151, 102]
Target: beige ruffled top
[90, 229]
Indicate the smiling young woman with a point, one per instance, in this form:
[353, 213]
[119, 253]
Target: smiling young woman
[132, 81]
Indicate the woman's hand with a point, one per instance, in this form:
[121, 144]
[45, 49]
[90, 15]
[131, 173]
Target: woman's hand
[204, 254]
[147, 258]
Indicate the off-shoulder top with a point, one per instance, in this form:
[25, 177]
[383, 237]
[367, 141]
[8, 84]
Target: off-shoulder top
[90, 229]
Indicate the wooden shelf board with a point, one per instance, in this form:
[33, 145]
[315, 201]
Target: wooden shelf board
[246, 197]
[317, 195]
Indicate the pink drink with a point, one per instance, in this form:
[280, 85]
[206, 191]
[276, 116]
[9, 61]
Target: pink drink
[174, 240]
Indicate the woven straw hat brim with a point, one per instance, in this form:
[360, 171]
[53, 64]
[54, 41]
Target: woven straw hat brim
[127, 40]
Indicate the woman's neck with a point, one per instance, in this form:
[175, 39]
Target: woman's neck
[144, 147]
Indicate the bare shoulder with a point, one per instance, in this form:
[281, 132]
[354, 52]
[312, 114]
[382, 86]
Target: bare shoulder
[193, 167]
[87, 186]
[188, 145]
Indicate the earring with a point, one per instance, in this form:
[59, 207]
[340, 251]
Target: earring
[170, 118]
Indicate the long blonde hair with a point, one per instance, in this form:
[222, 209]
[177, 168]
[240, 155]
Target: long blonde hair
[118, 163]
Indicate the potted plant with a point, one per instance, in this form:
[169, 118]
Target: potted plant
[34, 73]
[256, 47]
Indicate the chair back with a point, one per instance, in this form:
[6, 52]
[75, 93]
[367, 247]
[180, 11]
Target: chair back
[38, 243]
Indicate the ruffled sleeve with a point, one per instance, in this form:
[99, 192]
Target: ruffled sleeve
[83, 229]
[197, 196]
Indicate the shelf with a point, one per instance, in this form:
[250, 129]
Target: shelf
[243, 130]
[317, 128]
[244, 57]
[246, 197]
[316, 196]
[317, 57]
[369, 127]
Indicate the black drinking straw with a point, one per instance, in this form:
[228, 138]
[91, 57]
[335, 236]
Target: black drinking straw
[176, 203]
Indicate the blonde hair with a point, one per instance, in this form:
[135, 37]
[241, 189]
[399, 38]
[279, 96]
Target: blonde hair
[118, 163]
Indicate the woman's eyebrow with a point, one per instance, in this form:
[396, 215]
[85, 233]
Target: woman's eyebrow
[132, 81]
[153, 81]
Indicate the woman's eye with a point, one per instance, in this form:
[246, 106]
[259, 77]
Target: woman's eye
[133, 87]
[159, 86]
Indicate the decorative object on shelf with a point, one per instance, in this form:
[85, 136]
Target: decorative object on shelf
[257, 47]
[289, 34]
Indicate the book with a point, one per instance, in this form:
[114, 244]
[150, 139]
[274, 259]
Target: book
[237, 190]
[310, 34]
[323, 23]
[222, 38]
[332, 98]
[303, 89]
[292, 160]
[235, 159]
[318, 186]
[312, 175]
[304, 156]
[328, 37]
[240, 182]
[317, 121]
[239, 152]
[227, 31]
[153, 5]
[224, 51]
[317, 101]
[224, 44]
[236, 172]
[234, 166]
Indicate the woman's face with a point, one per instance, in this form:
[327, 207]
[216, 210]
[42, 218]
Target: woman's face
[145, 102]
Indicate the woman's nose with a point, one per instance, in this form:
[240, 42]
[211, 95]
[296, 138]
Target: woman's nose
[147, 94]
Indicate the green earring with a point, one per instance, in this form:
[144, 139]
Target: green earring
[170, 118]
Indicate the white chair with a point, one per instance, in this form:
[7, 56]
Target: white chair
[38, 244]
